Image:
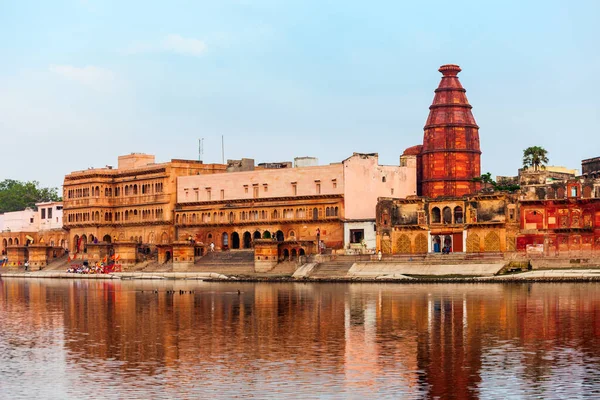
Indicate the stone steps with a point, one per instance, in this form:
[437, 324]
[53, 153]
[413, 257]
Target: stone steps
[332, 269]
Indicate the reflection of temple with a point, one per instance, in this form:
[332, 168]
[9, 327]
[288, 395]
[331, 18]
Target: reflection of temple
[433, 340]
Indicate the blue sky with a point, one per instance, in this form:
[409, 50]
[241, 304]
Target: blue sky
[83, 81]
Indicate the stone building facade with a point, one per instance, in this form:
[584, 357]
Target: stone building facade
[468, 224]
[333, 204]
[34, 235]
[131, 203]
[561, 218]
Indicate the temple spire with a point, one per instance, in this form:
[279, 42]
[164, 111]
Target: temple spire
[451, 153]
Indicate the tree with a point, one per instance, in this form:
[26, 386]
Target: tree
[486, 179]
[17, 195]
[535, 157]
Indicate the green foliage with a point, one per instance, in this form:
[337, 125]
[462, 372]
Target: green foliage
[487, 181]
[17, 195]
[535, 157]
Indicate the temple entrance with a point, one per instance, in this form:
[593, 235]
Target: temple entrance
[247, 240]
[235, 240]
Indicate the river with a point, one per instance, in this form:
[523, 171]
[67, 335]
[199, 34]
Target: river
[76, 339]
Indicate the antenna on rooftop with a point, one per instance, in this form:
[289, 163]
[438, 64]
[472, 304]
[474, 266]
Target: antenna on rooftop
[200, 148]
[223, 149]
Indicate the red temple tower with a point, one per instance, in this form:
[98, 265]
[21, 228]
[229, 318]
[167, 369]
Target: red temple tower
[450, 157]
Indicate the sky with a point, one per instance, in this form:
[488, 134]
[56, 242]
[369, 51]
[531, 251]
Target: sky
[84, 81]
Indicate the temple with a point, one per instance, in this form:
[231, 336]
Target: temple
[450, 156]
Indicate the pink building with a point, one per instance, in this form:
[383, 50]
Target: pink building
[301, 201]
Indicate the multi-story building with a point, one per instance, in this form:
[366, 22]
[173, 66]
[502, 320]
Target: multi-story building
[36, 234]
[560, 217]
[330, 204]
[133, 202]
[471, 224]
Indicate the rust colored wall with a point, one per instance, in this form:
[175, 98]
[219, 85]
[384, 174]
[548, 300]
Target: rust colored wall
[451, 153]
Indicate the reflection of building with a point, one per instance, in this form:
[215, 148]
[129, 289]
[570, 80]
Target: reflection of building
[34, 235]
[133, 202]
[333, 203]
[472, 224]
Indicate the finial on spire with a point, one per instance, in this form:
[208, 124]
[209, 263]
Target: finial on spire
[450, 69]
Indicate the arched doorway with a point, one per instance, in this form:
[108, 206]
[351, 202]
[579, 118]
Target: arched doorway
[286, 254]
[106, 238]
[266, 235]
[235, 240]
[256, 235]
[437, 244]
[76, 243]
[301, 252]
[247, 240]
[294, 254]
[279, 236]
[167, 256]
[225, 241]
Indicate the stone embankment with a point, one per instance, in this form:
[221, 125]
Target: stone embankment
[356, 273]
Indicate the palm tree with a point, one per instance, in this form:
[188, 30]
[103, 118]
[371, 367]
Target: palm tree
[535, 157]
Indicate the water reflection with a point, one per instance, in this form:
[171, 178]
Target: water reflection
[78, 339]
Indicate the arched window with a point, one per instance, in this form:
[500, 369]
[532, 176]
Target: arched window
[447, 215]
[458, 215]
[327, 212]
[383, 179]
[436, 217]
[315, 213]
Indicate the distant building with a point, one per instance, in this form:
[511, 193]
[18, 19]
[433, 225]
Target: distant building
[36, 235]
[590, 168]
[300, 162]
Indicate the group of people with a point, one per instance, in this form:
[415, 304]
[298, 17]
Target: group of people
[97, 268]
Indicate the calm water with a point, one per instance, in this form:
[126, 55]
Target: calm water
[89, 339]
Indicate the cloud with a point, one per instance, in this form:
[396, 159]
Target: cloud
[94, 77]
[172, 43]
[180, 45]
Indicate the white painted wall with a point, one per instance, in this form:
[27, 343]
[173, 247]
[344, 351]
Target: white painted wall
[367, 226]
[53, 222]
[20, 221]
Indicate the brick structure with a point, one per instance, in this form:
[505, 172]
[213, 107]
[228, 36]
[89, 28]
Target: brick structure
[450, 156]
[564, 225]
[470, 224]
